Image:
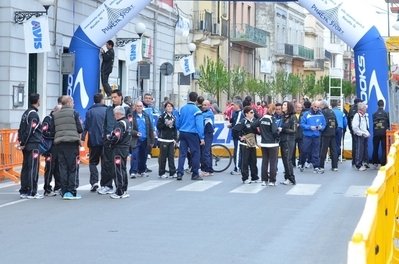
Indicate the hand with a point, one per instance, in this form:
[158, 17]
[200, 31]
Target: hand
[202, 142]
[279, 129]
[312, 128]
[139, 134]
[229, 126]
[101, 50]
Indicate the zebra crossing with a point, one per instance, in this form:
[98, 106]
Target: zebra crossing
[299, 189]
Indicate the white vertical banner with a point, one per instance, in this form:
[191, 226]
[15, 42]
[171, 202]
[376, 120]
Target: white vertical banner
[37, 35]
[187, 64]
[183, 27]
[133, 52]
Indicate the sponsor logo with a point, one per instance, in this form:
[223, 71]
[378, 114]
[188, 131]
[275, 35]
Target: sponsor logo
[329, 16]
[133, 54]
[186, 65]
[115, 16]
[367, 88]
[84, 98]
[37, 34]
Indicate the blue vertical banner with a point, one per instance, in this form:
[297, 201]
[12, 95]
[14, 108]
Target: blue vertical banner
[93, 33]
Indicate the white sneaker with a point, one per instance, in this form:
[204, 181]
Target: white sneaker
[144, 174]
[173, 176]
[148, 156]
[247, 182]
[36, 196]
[133, 175]
[272, 184]
[335, 169]
[263, 183]
[287, 182]
[256, 181]
[362, 168]
[164, 176]
[125, 195]
[105, 190]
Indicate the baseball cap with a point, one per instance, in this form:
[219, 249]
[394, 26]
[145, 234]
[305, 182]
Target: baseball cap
[358, 100]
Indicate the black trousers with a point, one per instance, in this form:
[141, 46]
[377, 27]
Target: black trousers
[269, 157]
[104, 81]
[95, 154]
[249, 158]
[287, 147]
[167, 153]
[30, 169]
[298, 144]
[69, 160]
[328, 143]
[51, 169]
[107, 166]
[119, 155]
[376, 143]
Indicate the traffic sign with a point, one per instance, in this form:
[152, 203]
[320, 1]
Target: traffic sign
[392, 44]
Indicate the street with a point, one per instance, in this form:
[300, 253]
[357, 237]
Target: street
[218, 220]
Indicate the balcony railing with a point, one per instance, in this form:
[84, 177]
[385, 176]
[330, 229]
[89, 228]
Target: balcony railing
[285, 49]
[247, 35]
[305, 53]
[202, 20]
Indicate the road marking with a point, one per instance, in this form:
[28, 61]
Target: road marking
[5, 185]
[356, 191]
[304, 189]
[11, 203]
[86, 187]
[199, 186]
[249, 188]
[149, 185]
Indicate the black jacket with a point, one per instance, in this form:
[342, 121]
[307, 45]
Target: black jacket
[165, 131]
[48, 126]
[243, 128]
[108, 61]
[121, 135]
[331, 122]
[30, 128]
[380, 122]
[268, 129]
[288, 128]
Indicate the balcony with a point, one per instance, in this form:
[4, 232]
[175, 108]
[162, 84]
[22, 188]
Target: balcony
[348, 55]
[207, 30]
[302, 53]
[246, 35]
[284, 52]
[316, 65]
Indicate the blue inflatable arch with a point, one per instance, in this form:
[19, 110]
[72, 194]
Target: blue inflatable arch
[344, 18]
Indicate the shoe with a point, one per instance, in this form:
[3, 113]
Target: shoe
[148, 170]
[308, 165]
[301, 169]
[76, 197]
[354, 166]
[23, 196]
[264, 183]
[148, 156]
[247, 181]
[321, 171]
[287, 182]
[58, 191]
[272, 184]
[375, 166]
[366, 165]
[256, 181]
[362, 168]
[164, 176]
[179, 177]
[125, 195]
[133, 175]
[144, 174]
[36, 196]
[67, 196]
[94, 187]
[50, 194]
[335, 169]
[105, 190]
[316, 170]
[204, 174]
[196, 178]
[173, 176]
[188, 170]
[235, 172]
[115, 196]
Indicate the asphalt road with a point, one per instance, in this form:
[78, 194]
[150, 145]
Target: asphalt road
[218, 220]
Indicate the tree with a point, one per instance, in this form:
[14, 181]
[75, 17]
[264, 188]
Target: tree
[348, 88]
[308, 83]
[286, 84]
[251, 86]
[264, 89]
[237, 79]
[214, 77]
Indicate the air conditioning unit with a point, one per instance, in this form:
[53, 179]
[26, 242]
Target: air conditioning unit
[216, 29]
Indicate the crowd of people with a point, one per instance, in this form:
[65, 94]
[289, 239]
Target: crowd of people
[306, 134]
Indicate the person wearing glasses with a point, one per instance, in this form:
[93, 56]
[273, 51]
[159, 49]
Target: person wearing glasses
[287, 131]
[246, 136]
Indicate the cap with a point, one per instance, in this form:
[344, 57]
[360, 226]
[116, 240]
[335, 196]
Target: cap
[358, 100]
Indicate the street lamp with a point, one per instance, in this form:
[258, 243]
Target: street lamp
[140, 28]
[191, 48]
[21, 16]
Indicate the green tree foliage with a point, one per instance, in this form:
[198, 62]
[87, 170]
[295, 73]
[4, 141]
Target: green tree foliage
[251, 86]
[286, 84]
[348, 88]
[237, 82]
[264, 89]
[214, 77]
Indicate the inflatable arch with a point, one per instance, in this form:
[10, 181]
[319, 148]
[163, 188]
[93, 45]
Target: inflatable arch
[344, 18]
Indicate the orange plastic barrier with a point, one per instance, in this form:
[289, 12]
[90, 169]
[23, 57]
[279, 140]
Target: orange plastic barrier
[10, 157]
[390, 139]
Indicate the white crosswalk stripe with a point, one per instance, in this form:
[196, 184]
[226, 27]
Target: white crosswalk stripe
[304, 189]
[356, 191]
[149, 185]
[199, 186]
[249, 188]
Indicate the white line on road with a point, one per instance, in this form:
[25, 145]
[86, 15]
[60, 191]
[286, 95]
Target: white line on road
[5, 185]
[356, 191]
[304, 189]
[86, 187]
[145, 186]
[199, 186]
[249, 188]
[11, 203]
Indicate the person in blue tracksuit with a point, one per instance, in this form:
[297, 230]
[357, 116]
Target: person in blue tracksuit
[313, 123]
[190, 124]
